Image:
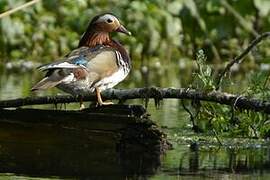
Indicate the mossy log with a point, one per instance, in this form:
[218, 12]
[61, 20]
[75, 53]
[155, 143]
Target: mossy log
[237, 101]
[117, 139]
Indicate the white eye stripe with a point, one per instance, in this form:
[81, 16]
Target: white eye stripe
[107, 17]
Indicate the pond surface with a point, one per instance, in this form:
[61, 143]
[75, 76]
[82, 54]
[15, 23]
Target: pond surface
[192, 156]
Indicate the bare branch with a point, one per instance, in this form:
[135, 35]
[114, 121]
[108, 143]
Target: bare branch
[241, 56]
[11, 11]
[240, 102]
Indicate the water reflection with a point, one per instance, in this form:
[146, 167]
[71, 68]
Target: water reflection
[193, 160]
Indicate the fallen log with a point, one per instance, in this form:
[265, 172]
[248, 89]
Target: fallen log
[238, 101]
[118, 139]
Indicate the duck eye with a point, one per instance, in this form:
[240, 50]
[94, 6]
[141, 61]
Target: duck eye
[109, 21]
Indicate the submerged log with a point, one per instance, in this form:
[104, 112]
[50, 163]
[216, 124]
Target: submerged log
[129, 123]
[118, 139]
[238, 101]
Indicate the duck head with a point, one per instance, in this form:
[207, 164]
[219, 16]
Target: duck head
[108, 23]
[99, 28]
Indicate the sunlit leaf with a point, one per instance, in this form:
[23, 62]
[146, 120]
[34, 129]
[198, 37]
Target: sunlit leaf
[263, 6]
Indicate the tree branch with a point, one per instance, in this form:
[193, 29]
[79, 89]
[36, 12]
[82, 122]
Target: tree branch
[241, 56]
[242, 21]
[240, 102]
[11, 11]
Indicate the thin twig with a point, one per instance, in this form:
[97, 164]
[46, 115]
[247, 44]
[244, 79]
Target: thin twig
[241, 56]
[11, 11]
[243, 22]
[189, 112]
[216, 135]
[266, 79]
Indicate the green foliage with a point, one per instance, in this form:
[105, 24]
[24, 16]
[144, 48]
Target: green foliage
[204, 77]
[263, 6]
[258, 85]
[51, 28]
[226, 120]
[168, 30]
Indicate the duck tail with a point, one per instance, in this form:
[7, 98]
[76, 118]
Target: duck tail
[45, 83]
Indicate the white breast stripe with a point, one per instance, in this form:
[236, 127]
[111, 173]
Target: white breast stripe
[118, 57]
[121, 62]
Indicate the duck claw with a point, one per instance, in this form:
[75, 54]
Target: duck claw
[106, 103]
[82, 106]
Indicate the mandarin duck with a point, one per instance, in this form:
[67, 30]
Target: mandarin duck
[97, 64]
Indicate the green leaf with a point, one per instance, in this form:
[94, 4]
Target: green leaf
[263, 6]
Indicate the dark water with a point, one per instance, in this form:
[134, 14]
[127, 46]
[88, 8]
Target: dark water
[51, 153]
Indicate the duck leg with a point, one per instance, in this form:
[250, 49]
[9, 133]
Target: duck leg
[81, 103]
[99, 99]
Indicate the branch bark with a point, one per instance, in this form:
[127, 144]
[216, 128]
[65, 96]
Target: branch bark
[238, 101]
[11, 11]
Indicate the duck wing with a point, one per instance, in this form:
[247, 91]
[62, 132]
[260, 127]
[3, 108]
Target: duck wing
[75, 59]
[84, 62]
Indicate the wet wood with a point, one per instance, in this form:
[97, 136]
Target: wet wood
[123, 121]
[118, 139]
[238, 101]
